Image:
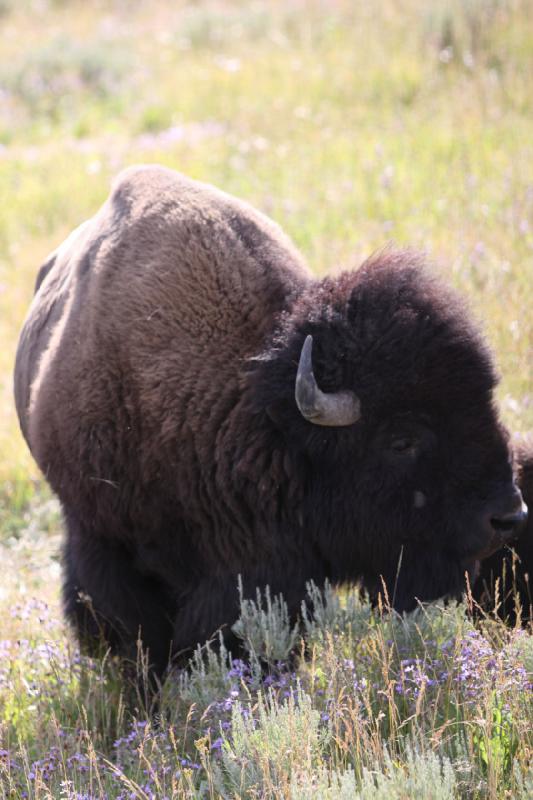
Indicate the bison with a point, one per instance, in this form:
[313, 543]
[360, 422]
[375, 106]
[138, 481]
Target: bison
[505, 583]
[204, 408]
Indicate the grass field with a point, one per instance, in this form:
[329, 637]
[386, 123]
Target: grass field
[353, 124]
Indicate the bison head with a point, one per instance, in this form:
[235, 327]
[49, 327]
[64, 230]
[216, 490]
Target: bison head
[381, 388]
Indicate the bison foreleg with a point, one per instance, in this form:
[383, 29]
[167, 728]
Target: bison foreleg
[214, 604]
[110, 602]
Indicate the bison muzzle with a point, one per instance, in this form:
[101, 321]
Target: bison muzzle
[505, 583]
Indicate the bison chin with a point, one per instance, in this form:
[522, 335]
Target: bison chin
[421, 577]
[424, 574]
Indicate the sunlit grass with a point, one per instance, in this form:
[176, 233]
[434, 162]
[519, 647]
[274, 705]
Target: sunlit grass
[387, 707]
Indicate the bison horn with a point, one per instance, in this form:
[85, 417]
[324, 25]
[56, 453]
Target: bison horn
[335, 409]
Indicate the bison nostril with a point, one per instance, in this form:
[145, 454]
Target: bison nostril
[508, 525]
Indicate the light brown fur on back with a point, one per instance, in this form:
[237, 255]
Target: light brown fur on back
[198, 267]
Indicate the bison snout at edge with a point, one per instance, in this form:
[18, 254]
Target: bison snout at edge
[505, 520]
[158, 386]
[504, 585]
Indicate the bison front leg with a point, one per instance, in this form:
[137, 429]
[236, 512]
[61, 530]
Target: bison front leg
[214, 604]
[110, 603]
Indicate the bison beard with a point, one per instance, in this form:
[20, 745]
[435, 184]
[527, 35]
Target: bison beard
[156, 385]
[505, 582]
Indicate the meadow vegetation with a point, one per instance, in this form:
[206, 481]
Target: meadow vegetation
[353, 124]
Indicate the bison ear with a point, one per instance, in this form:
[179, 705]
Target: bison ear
[336, 409]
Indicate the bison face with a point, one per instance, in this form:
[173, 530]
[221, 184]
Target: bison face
[405, 467]
[415, 505]
[436, 499]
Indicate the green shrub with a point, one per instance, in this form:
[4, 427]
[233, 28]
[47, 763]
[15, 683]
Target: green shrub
[423, 776]
[265, 628]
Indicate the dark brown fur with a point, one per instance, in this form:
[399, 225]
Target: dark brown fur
[155, 386]
[505, 584]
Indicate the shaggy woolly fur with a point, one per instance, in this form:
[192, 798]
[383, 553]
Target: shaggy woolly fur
[155, 386]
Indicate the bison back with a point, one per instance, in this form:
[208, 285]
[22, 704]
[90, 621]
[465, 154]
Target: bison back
[131, 356]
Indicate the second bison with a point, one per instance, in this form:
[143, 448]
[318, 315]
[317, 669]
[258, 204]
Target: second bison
[204, 408]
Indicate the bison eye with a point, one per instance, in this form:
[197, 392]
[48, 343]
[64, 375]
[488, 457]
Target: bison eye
[404, 445]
